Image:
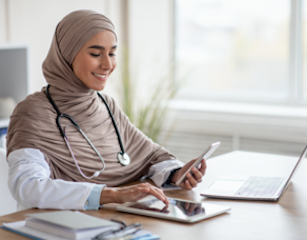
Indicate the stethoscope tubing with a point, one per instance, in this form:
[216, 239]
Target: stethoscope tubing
[60, 115]
[74, 124]
[114, 123]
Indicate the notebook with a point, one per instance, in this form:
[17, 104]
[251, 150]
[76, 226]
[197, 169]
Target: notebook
[261, 188]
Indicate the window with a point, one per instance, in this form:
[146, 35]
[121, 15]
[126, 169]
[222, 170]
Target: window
[240, 49]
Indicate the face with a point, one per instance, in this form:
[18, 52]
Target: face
[96, 60]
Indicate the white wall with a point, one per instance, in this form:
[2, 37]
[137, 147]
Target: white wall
[150, 32]
[33, 22]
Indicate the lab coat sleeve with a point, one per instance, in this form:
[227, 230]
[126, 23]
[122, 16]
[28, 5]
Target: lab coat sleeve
[30, 183]
[93, 200]
[159, 172]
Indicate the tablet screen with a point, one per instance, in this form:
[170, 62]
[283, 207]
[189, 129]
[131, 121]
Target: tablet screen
[176, 208]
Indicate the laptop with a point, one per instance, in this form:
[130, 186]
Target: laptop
[251, 187]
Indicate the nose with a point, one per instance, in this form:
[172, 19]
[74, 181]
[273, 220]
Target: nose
[106, 63]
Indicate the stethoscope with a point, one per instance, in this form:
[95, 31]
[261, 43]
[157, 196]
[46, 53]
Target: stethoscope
[122, 156]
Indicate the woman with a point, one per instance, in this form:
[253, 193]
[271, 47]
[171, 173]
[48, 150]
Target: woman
[43, 172]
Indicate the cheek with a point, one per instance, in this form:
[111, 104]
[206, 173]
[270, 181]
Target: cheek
[87, 66]
[90, 63]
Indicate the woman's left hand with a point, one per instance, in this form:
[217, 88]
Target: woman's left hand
[191, 180]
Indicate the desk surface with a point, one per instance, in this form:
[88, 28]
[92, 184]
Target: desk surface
[285, 219]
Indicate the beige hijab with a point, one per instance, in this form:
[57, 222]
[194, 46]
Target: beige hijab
[33, 123]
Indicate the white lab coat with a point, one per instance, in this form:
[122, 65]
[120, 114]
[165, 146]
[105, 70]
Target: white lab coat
[30, 183]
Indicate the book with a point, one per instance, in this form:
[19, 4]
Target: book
[20, 228]
[69, 224]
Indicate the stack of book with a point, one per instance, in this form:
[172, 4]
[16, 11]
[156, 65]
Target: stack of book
[61, 225]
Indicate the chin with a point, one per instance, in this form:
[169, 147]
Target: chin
[98, 88]
[101, 88]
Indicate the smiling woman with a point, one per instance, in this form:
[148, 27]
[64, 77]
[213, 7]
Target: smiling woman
[50, 168]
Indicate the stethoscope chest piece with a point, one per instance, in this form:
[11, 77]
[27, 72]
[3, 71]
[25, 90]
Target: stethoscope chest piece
[123, 158]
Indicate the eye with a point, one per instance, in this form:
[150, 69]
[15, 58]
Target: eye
[94, 55]
[112, 54]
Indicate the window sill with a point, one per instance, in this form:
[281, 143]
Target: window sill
[261, 121]
[282, 115]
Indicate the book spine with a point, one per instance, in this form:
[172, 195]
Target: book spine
[21, 233]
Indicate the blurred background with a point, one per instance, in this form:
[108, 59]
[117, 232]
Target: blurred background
[196, 71]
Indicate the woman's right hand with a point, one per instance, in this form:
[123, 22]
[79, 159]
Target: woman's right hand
[131, 193]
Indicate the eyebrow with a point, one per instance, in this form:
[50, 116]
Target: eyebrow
[101, 47]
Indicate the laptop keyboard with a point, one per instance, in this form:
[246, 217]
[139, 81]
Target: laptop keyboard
[259, 187]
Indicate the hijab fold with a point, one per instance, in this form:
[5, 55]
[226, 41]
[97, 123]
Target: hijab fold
[33, 122]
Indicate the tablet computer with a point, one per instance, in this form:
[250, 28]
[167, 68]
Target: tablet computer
[178, 209]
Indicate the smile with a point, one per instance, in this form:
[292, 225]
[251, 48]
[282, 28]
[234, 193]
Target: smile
[99, 75]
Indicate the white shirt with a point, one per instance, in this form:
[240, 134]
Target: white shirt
[30, 183]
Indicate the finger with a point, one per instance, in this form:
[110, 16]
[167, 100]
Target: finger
[203, 167]
[192, 180]
[162, 197]
[165, 209]
[187, 165]
[197, 175]
[159, 194]
[187, 185]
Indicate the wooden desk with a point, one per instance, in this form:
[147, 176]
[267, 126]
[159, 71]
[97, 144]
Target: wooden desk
[286, 219]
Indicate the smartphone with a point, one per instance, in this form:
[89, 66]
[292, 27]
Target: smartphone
[206, 154]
